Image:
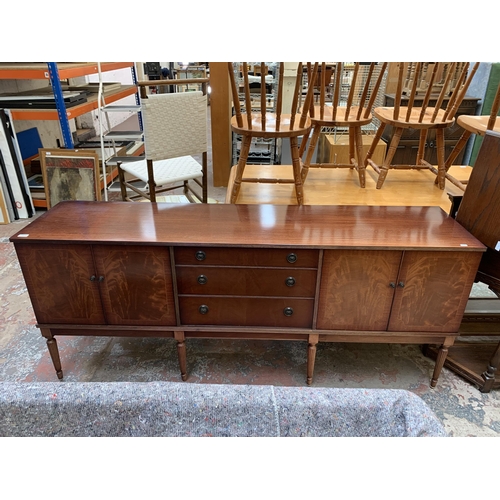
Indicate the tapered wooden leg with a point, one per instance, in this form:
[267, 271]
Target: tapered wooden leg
[311, 356]
[441, 358]
[455, 151]
[296, 170]
[53, 351]
[389, 156]
[310, 151]
[440, 158]
[245, 149]
[489, 374]
[421, 145]
[352, 143]
[181, 353]
[374, 143]
[358, 141]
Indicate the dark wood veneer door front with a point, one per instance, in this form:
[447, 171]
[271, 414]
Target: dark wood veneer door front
[432, 290]
[135, 284]
[357, 289]
[61, 283]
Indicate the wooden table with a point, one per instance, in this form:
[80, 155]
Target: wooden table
[308, 273]
[340, 186]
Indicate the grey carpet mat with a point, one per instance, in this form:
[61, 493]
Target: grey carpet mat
[183, 409]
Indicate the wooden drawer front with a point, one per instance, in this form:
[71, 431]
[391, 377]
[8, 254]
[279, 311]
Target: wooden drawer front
[231, 311]
[246, 281]
[272, 257]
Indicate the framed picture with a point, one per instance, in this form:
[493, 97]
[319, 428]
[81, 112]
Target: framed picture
[70, 174]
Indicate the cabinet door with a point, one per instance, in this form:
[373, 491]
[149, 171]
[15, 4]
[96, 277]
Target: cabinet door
[432, 291]
[135, 284]
[355, 290]
[60, 282]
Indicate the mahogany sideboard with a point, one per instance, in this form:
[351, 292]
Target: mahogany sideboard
[308, 273]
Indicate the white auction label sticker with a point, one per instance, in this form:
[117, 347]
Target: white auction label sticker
[22, 235]
[497, 246]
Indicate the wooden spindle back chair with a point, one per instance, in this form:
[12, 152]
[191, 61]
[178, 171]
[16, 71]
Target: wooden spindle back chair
[264, 123]
[422, 117]
[349, 113]
[478, 125]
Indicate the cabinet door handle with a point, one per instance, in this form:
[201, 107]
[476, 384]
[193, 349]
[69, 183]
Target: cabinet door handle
[203, 309]
[101, 279]
[401, 284]
[291, 257]
[200, 255]
[288, 311]
[290, 281]
[92, 278]
[202, 279]
[392, 284]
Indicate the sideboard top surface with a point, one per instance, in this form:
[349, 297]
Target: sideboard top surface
[318, 226]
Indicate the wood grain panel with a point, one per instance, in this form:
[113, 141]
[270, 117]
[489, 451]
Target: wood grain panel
[269, 257]
[137, 284]
[435, 292]
[246, 281]
[242, 311]
[355, 291]
[58, 280]
[251, 226]
[480, 207]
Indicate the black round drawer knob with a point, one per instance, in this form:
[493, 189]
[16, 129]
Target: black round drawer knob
[203, 309]
[291, 257]
[290, 281]
[200, 255]
[202, 279]
[288, 311]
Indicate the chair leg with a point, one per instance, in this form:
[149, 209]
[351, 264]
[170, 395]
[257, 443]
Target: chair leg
[121, 177]
[204, 162]
[151, 181]
[375, 141]
[456, 151]
[421, 146]
[310, 152]
[245, 149]
[296, 170]
[389, 156]
[440, 157]
[358, 142]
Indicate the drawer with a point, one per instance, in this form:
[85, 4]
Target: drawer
[205, 280]
[272, 257]
[233, 311]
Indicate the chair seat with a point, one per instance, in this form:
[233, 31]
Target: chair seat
[477, 124]
[340, 119]
[166, 171]
[386, 115]
[270, 130]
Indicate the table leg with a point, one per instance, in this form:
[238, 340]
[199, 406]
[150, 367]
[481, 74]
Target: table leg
[441, 358]
[311, 356]
[489, 374]
[181, 353]
[53, 351]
